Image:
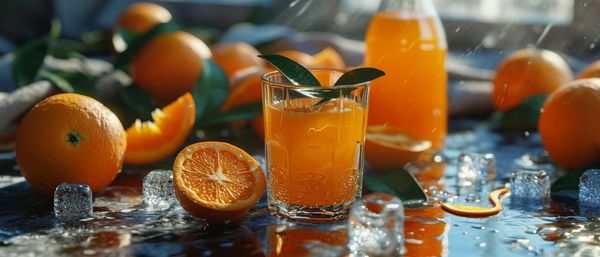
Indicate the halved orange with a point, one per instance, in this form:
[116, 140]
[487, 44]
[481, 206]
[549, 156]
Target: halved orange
[216, 181]
[151, 141]
[388, 147]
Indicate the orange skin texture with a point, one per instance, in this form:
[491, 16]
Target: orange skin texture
[47, 158]
[591, 71]
[141, 17]
[145, 146]
[526, 73]
[569, 126]
[233, 57]
[169, 65]
[200, 195]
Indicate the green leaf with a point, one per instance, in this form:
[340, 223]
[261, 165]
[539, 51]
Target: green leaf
[242, 112]
[55, 29]
[28, 60]
[359, 75]
[57, 80]
[80, 82]
[294, 72]
[138, 101]
[523, 117]
[399, 183]
[570, 181]
[210, 92]
[127, 35]
[65, 53]
[140, 41]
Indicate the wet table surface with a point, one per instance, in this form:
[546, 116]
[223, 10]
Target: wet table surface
[123, 226]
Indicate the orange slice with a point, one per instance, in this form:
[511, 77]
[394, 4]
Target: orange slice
[388, 147]
[151, 141]
[216, 181]
[477, 211]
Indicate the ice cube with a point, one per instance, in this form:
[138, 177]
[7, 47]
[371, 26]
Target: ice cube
[530, 185]
[158, 189]
[589, 189]
[262, 162]
[475, 168]
[72, 202]
[376, 226]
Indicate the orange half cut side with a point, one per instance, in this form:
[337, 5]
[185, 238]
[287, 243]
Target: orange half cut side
[216, 181]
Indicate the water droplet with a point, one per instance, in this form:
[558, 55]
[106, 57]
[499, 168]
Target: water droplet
[482, 244]
[457, 29]
[478, 227]
[592, 46]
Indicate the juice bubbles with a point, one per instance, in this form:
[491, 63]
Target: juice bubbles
[314, 150]
[410, 46]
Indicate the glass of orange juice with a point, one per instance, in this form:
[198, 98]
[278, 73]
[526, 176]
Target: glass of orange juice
[314, 143]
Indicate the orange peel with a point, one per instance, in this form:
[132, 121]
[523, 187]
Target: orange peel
[478, 211]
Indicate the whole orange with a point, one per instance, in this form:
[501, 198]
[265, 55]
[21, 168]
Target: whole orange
[70, 138]
[169, 65]
[233, 57]
[140, 17]
[528, 72]
[569, 124]
[591, 71]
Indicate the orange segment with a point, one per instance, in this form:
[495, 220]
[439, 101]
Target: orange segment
[150, 141]
[217, 181]
[477, 211]
[328, 58]
[387, 147]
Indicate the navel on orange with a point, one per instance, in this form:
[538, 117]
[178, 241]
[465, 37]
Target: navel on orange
[70, 138]
[151, 141]
[216, 181]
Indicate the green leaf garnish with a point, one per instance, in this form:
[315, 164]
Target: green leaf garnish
[140, 41]
[523, 117]
[210, 92]
[399, 183]
[28, 60]
[293, 71]
[359, 75]
[57, 80]
[242, 112]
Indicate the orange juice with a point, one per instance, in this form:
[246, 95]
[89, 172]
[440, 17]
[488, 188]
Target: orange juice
[411, 48]
[313, 155]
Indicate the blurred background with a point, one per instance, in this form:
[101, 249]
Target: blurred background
[479, 32]
[568, 26]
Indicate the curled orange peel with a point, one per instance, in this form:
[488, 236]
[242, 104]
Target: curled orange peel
[477, 211]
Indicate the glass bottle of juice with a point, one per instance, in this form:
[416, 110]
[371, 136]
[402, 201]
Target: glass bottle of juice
[407, 41]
